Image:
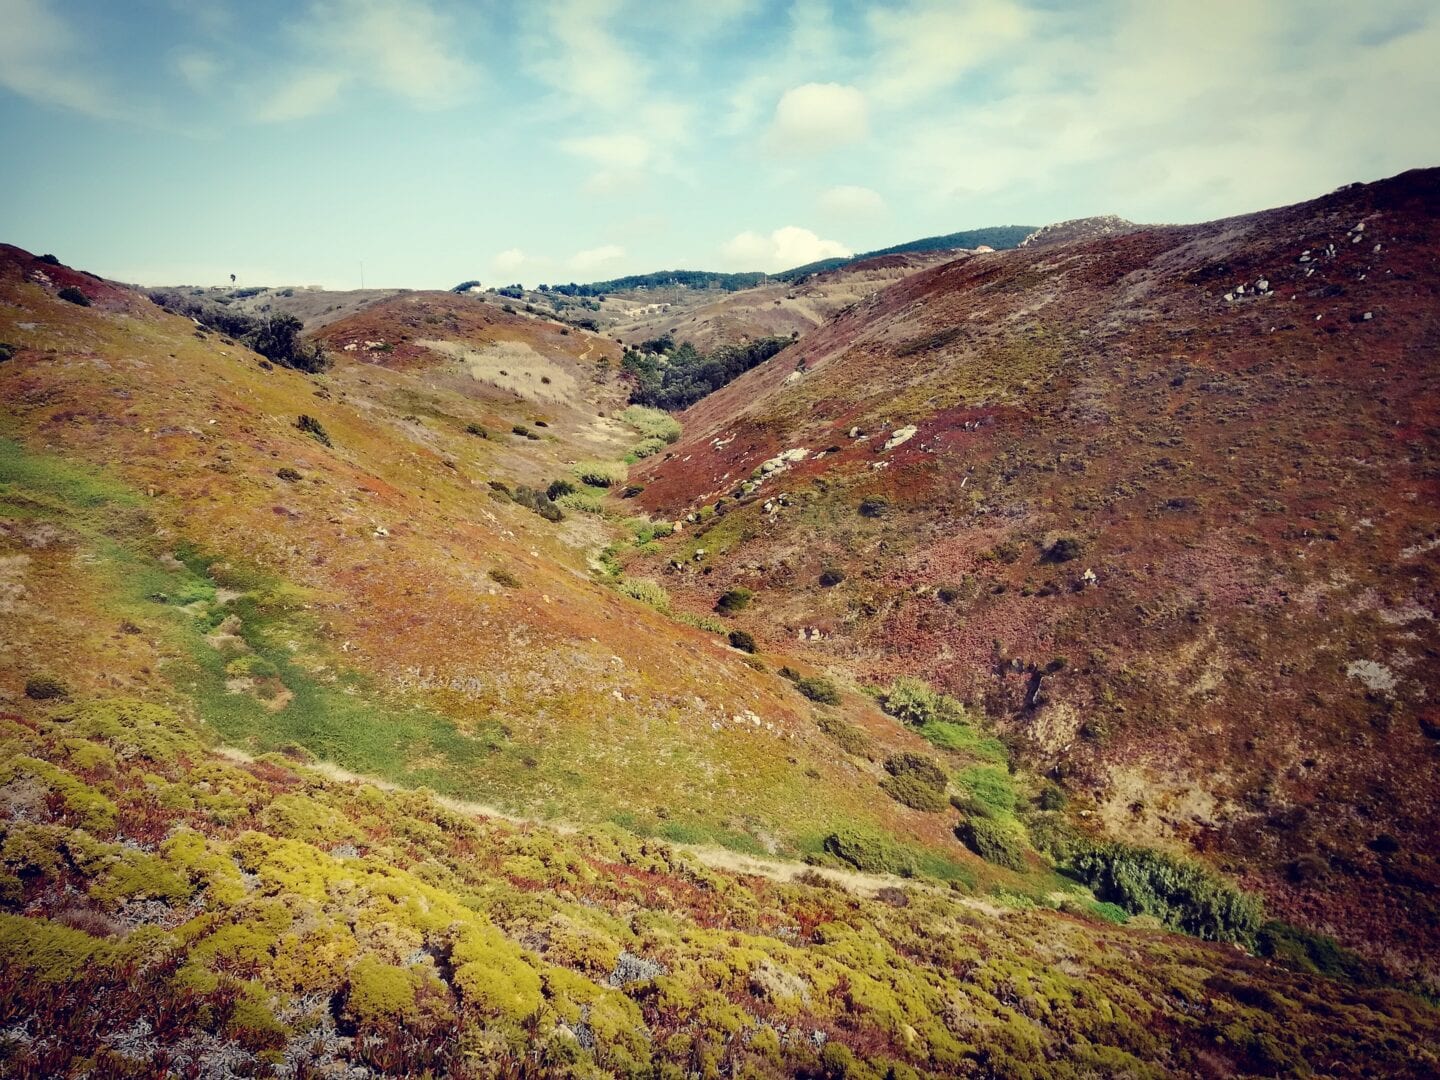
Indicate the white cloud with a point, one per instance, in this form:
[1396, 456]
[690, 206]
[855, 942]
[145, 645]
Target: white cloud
[784, 248]
[303, 94]
[39, 60]
[850, 201]
[817, 117]
[405, 47]
[927, 45]
[590, 258]
[198, 68]
[572, 50]
[510, 259]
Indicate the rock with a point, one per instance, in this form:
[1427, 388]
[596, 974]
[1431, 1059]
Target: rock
[1262, 284]
[854, 433]
[902, 435]
[1368, 316]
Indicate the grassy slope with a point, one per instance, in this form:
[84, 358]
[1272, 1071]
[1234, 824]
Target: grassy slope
[1248, 480]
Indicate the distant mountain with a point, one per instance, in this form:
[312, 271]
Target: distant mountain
[999, 237]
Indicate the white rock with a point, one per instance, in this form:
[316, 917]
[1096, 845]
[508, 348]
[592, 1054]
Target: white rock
[902, 435]
[1368, 316]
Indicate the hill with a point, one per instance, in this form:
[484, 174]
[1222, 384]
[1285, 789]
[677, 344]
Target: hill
[427, 711]
[1158, 504]
[999, 237]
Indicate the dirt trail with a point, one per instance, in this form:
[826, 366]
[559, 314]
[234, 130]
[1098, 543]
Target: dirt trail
[711, 855]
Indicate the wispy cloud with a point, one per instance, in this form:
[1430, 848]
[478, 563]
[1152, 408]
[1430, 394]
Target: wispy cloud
[406, 48]
[591, 258]
[43, 58]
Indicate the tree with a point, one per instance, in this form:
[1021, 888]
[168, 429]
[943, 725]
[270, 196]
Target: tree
[277, 338]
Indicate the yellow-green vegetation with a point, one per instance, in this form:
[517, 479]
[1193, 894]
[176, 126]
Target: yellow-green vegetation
[291, 918]
[653, 423]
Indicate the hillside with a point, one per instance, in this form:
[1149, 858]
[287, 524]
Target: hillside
[998, 237]
[1160, 504]
[437, 712]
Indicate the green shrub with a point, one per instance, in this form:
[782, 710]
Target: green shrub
[558, 489]
[913, 701]
[831, 576]
[523, 432]
[646, 591]
[1052, 797]
[742, 640]
[870, 851]
[993, 841]
[1178, 892]
[734, 600]
[914, 792]
[601, 474]
[288, 474]
[1063, 550]
[539, 502]
[7, 351]
[847, 736]
[818, 689]
[652, 423]
[44, 688]
[477, 430]
[970, 806]
[1306, 951]
[314, 429]
[277, 338]
[876, 506]
[74, 296]
[923, 769]
[647, 448]
[504, 577]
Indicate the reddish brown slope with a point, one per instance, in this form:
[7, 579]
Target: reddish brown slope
[1242, 657]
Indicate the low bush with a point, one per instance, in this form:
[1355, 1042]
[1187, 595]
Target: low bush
[847, 736]
[74, 296]
[914, 793]
[742, 640]
[504, 577]
[993, 841]
[923, 769]
[991, 785]
[870, 852]
[538, 501]
[314, 429]
[652, 423]
[1178, 892]
[7, 351]
[876, 506]
[277, 338]
[646, 591]
[601, 474]
[831, 576]
[44, 688]
[913, 701]
[734, 600]
[1063, 550]
[818, 689]
[288, 474]
[477, 430]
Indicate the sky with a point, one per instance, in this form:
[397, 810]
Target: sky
[425, 142]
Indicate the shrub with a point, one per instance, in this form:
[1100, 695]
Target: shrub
[646, 591]
[559, 488]
[602, 474]
[477, 430]
[504, 577]
[818, 689]
[466, 286]
[288, 474]
[1180, 893]
[1063, 550]
[914, 793]
[913, 701]
[847, 736]
[48, 259]
[870, 852]
[538, 501]
[734, 600]
[647, 448]
[923, 769]
[74, 296]
[523, 431]
[876, 506]
[277, 338]
[948, 594]
[994, 842]
[652, 423]
[6, 351]
[314, 429]
[830, 576]
[44, 688]
[742, 640]
[1052, 797]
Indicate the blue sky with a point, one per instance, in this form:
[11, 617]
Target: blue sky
[168, 141]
